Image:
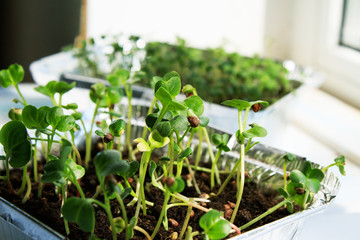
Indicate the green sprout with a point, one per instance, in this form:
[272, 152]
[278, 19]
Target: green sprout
[220, 142]
[241, 135]
[287, 158]
[13, 76]
[214, 226]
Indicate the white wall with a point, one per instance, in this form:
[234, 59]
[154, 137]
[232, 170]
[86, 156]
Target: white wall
[239, 24]
[307, 32]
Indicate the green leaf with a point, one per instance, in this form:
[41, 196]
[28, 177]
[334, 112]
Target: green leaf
[15, 114]
[204, 121]
[72, 106]
[114, 95]
[214, 226]
[283, 193]
[119, 224]
[164, 128]
[98, 91]
[265, 103]
[187, 152]
[313, 185]
[340, 162]
[176, 105]
[131, 226]
[237, 103]
[134, 166]
[156, 140]
[317, 174]
[55, 177]
[14, 138]
[119, 78]
[77, 115]
[77, 170]
[110, 162]
[173, 85]
[81, 212]
[151, 119]
[152, 169]
[142, 145]
[170, 75]
[163, 96]
[62, 87]
[289, 157]
[219, 140]
[11, 76]
[54, 172]
[297, 176]
[34, 118]
[178, 186]
[290, 207]
[179, 123]
[54, 116]
[100, 133]
[117, 127]
[154, 80]
[48, 90]
[196, 104]
[255, 131]
[66, 123]
[66, 149]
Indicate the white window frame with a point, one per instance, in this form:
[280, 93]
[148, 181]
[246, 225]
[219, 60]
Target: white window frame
[341, 64]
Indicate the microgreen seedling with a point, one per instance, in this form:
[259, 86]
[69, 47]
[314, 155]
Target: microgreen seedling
[289, 157]
[172, 125]
[214, 226]
[13, 76]
[241, 135]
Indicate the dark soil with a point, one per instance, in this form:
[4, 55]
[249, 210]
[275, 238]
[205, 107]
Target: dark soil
[46, 208]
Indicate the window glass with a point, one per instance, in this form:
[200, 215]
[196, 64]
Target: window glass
[350, 27]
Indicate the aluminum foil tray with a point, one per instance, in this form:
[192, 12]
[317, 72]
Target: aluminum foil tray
[262, 162]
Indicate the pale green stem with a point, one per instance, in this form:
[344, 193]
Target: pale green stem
[107, 208]
[88, 136]
[240, 182]
[245, 118]
[149, 111]
[285, 175]
[192, 176]
[180, 140]
[77, 185]
[66, 224]
[240, 178]
[198, 152]
[190, 139]
[142, 172]
[186, 222]
[161, 115]
[211, 154]
[128, 90]
[163, 210]
[212, 176]
[271, 210]
[23, 183]
[326, 168]
[28, 190]
[35, 170]
[123, 210]
[119, 144]
[19, 92]
[307, 192]
[171, 153]
[139, 229]
[229, 177]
